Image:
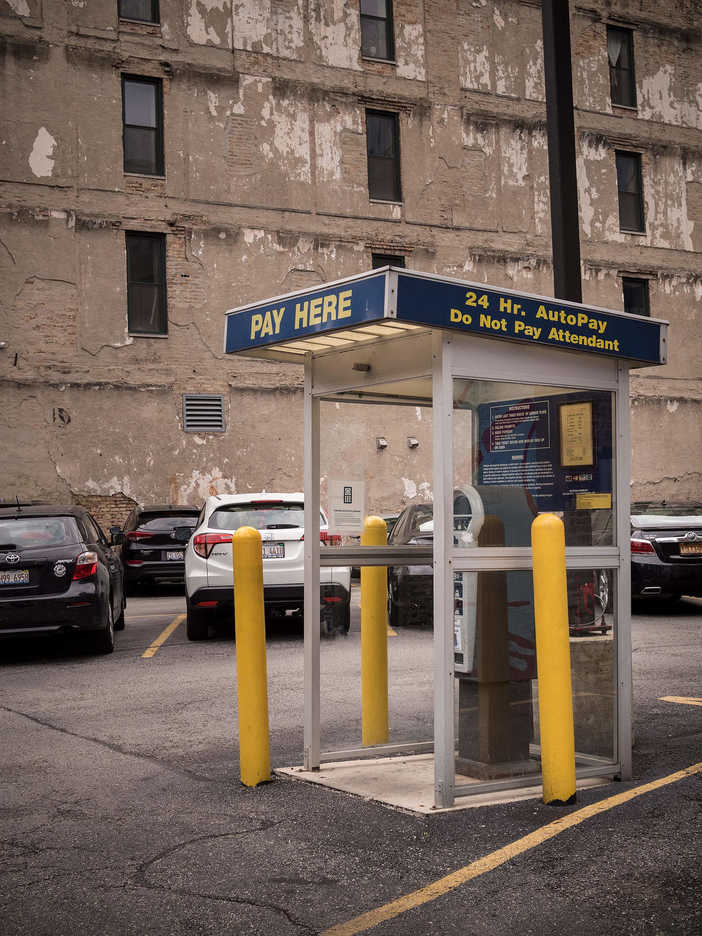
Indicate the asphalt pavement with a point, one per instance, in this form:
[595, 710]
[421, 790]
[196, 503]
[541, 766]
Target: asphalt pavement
[122, 811]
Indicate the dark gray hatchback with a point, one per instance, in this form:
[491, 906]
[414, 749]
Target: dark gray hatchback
[153, 543]
[58, 575]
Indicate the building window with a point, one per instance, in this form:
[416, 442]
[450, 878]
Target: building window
[383, 145]
[146, 283]
[203, 412]
[620, 50]
[636, 299]
[376, 29]
[629, 185]
[381, 260]
[142, 117]
[145, 11]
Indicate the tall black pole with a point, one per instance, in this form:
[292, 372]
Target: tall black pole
[563, 181]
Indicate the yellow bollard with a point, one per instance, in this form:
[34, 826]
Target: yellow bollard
[252, 685]
[553, 660]
[374, 640]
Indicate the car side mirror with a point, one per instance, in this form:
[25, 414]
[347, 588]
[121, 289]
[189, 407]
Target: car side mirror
[183, 533]
[116, 536]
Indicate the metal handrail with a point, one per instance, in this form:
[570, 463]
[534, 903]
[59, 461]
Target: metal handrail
[375, 555]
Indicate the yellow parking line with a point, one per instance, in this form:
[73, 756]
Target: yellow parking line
[163, 637]
[391, 632]
[681, 700]
[438, 888]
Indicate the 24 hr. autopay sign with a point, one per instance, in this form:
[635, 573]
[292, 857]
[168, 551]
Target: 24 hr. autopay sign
[527, 318]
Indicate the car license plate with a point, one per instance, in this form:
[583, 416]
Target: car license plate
[273, 550]
[691, 549]
[16, 577]
[176, 554]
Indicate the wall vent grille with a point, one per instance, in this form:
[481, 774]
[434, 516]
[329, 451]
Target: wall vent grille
[203, 412]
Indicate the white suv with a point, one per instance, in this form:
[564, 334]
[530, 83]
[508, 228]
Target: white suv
[280, 520]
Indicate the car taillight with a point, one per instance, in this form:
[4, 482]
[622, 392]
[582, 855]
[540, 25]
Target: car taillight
[203, 543]
[86, 566]
[326, 539]
[641, 546]
[137, 535]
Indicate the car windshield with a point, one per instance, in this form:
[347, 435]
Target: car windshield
[24, 532]
[667, 510]
[161, 523]
[419, 518]
[263, 516]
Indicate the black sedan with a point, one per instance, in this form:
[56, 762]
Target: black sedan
[153, 544]
[666, 551]
[58, 575]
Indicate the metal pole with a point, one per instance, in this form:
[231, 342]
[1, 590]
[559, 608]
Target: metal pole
[553, 660]
[374, 640]
[251, 678]
[311, 652]
[563, 179]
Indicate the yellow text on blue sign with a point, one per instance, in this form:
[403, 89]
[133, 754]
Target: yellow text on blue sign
[329, 307]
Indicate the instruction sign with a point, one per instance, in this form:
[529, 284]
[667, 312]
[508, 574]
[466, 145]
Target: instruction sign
[347, 500]
[501, 314]
[557, 448]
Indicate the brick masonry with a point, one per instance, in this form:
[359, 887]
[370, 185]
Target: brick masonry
[266, 190]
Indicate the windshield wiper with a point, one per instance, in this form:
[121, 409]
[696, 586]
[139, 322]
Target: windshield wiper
[8, 545]
[281, 526]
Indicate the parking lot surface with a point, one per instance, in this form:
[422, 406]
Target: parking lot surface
[123, 813]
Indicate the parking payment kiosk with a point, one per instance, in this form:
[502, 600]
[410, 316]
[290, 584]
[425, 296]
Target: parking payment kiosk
[528, 401]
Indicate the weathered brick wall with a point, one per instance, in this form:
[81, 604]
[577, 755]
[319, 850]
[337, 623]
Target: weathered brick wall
[266, 190]
[108, 510]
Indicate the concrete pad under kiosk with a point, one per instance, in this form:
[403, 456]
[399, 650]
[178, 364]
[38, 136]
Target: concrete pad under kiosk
[529, 400]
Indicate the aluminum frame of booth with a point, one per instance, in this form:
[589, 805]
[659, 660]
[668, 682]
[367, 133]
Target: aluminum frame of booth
[386, 337]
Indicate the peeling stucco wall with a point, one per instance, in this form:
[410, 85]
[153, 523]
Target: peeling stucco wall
[266, 191]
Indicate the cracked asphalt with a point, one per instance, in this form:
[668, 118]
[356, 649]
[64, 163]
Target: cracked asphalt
[121, 811]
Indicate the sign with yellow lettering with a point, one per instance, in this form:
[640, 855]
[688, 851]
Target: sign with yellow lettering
[495, 313]
[302, 315]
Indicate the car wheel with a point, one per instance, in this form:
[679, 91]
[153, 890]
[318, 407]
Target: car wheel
[131, 589]
[119, 623]
[335, 619]
[393, 612]
[104, 640]
[196, 624]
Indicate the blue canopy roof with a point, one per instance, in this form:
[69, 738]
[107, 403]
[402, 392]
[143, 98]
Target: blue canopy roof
[392, 301]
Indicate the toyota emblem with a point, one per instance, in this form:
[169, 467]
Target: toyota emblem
[12, 558]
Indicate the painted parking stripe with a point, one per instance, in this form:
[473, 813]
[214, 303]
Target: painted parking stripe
[366, 921]
[681, 700]
[163, 637]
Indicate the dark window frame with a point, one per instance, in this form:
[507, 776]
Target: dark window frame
[368, 18]
[631, 202]
[159, 168]
[384, 259]
[160, 283]
[622, 78]
[631, 284]
[374, 160]
[153, 21]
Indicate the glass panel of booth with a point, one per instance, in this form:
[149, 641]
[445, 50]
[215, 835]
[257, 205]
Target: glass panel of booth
[496, 686]
[521, 450]
[376, 461]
